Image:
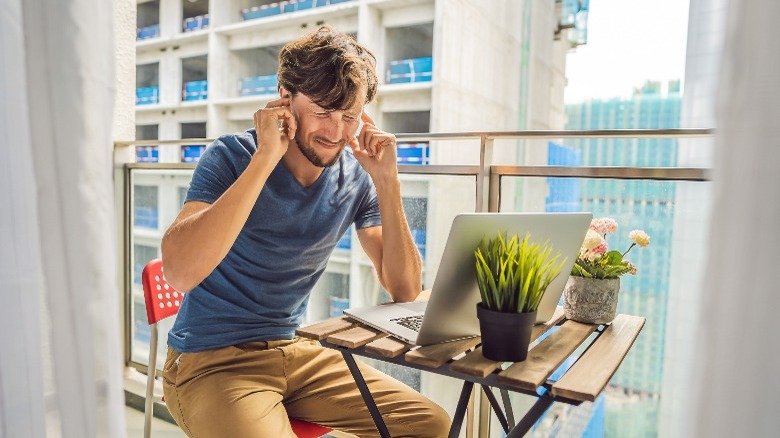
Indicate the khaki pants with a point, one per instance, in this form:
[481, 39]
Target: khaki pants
[249, 390]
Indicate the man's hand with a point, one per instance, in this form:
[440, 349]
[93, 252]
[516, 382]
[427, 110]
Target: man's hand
[375, 150]
[275, 126]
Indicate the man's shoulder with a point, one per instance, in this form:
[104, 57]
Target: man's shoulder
[238, 141]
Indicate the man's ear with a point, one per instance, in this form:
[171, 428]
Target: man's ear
[283, 93]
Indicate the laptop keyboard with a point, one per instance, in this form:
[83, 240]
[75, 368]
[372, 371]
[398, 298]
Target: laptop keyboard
[411, 322]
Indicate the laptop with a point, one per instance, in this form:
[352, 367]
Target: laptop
[451, 312]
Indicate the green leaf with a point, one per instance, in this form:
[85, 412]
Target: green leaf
[613, 257]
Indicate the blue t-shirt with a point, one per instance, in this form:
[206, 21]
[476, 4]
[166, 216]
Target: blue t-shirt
[260, 290]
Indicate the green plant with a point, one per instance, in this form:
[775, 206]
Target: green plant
[513, 275]
[596, 261]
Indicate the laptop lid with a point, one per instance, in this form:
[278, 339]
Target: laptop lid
[451, 312]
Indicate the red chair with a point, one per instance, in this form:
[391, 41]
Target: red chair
[163, 301]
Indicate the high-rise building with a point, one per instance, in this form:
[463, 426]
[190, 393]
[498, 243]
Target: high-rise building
[636, 387]
[205, 66]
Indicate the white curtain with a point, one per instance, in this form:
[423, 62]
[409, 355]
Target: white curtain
[736, 378]
[60, 345]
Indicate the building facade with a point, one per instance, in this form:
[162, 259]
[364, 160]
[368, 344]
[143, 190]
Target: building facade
[204, 67]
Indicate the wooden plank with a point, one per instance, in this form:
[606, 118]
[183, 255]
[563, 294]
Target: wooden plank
[387, 347]
[355, 337]
[322, 330]
[540, 329]
[436, 355]
[590, 374]
[546, 357]
[475, 364]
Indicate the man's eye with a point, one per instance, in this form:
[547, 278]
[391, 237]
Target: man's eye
[322, 114]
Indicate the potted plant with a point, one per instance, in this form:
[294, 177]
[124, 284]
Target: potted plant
[591, 293]
[512, 276]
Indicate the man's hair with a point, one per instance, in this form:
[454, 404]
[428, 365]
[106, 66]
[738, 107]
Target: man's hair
[329, 67]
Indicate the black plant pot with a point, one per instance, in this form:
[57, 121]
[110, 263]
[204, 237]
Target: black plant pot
[505, 336]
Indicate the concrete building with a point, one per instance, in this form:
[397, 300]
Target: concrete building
[204, 67]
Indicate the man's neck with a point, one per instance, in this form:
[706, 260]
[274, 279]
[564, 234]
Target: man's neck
[300, 167]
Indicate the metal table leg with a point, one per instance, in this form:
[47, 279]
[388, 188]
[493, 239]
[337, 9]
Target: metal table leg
[367, 397]
[527, 422]
[460, 411]
[510, 415]
[496, 408]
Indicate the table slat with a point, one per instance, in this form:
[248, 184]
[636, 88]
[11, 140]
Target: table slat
[591, 373]
[475, 364]
[322, 330]
[546, 357]
[434, 356]
[539, 329]
[388, 347]
[355, 337]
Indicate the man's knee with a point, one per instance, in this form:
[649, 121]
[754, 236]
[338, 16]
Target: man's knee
[439, 421]
[433, 423]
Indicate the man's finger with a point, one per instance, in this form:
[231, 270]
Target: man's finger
[367, 119]
[284, 101]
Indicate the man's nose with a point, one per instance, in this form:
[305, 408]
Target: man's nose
[337, 128]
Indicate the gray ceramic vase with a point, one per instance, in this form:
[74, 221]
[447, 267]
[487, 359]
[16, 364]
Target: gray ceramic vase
[591, 300]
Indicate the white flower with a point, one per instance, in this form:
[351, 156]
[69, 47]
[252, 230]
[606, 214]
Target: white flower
[592, 240]
[640, 238]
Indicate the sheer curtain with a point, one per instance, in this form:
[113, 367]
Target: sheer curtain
[60, 344]
[737, 368]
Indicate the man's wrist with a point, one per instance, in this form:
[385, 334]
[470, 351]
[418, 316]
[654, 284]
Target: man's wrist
[264, 159]
[388, 180]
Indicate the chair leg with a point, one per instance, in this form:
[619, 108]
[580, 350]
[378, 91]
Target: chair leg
[152, 370]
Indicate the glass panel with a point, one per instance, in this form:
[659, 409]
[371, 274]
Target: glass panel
[146, 208]
[157, 199]
[675, 215]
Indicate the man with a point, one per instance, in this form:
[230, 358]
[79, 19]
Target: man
[264, 211]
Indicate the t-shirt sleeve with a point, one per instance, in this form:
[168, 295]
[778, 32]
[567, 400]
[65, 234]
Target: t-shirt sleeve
[368, 211]
[218, 168]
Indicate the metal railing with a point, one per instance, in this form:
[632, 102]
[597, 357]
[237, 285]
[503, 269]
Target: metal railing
[488, 187]
[488, 176]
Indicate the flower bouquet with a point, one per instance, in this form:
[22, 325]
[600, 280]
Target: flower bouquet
[591, 293]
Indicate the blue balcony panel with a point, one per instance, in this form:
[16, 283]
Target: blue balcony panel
[152, 31]
[261, 11]
[258, 85]
[410, 70]
[285, 7]
[147, 95]
[195, 90]
[346, 240]
[337, 306]
[414, 153]
[147, 154]
[196, 23]
[419, 237]
[147, 217]
[192, 153]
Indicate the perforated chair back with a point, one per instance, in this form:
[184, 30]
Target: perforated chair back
[163, 301]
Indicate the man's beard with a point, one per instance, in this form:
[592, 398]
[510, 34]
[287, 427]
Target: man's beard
[310, 154]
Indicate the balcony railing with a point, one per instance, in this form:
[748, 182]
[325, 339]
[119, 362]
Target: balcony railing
[640, 197]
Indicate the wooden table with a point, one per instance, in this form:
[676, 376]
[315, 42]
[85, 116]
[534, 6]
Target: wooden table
[606, 346]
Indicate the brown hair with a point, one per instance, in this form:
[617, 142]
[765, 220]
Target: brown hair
[329, 67]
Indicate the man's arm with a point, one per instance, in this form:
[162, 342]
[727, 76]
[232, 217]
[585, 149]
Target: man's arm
[390, 246]
[203, 233]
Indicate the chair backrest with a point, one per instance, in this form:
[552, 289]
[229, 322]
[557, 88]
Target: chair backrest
[161, 299]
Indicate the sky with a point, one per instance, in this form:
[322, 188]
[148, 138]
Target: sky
[629, 42]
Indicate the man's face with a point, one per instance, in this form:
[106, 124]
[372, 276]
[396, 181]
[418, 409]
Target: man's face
[323, 134]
